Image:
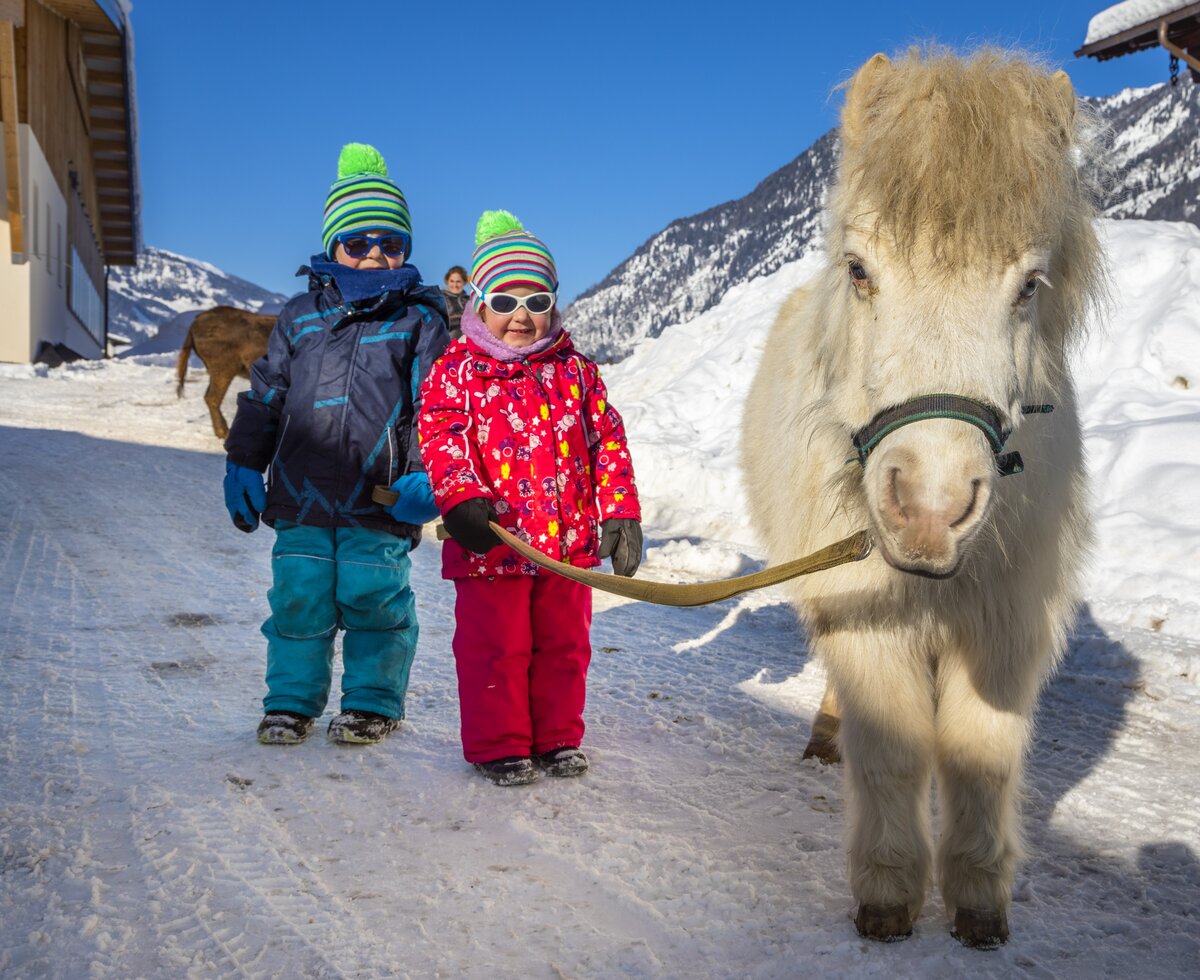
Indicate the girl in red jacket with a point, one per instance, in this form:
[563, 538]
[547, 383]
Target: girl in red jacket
[516, 428]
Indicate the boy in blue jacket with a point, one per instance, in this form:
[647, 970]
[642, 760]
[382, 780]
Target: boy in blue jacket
[331, 414]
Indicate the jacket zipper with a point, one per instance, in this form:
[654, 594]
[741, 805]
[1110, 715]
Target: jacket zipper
[287, 420]
[562, 546]
[357, 318]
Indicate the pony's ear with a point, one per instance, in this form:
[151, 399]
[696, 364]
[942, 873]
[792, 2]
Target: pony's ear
[1065, 103]
[859, 96]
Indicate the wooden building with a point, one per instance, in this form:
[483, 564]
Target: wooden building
[1140, 24]
[69, 168]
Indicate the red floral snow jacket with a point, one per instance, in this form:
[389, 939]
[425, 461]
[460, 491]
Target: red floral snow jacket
[535, 436]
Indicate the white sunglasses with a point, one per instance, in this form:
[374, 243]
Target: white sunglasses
[506, 304]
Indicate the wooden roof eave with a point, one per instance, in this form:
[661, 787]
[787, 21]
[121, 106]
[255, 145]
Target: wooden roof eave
[111, 124]
[97, 16]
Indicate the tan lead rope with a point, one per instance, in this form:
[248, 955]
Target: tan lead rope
[854, 548]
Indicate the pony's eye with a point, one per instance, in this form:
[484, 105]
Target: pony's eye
[858, 273]
[1029, 288]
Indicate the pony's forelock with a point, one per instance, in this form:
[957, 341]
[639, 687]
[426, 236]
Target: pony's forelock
[976, 160]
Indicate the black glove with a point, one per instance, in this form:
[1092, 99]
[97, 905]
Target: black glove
[468, 525]
[621, 537]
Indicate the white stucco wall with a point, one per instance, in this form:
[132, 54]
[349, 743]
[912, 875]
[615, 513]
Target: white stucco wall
[14, 284]
[33, 294]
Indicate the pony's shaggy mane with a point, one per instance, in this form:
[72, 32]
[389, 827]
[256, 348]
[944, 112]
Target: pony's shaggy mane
[907, 135]
[909, 126]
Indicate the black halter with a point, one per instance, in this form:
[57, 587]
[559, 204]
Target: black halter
[983, 417]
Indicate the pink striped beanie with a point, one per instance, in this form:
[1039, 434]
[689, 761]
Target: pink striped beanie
[507, 255]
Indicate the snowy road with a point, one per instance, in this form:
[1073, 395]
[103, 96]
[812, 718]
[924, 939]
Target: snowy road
[144, 832]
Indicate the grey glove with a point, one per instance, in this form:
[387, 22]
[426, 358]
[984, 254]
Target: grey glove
[621, 537]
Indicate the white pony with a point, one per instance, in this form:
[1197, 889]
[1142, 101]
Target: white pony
[961, 260]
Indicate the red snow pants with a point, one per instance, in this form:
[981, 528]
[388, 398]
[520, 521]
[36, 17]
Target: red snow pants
[522, 646]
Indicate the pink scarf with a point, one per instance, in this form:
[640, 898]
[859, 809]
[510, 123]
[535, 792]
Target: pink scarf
[475, 330]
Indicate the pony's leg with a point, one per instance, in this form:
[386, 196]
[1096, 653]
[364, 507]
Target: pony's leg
[214, 394]
[822, 744]
[981, 743]
[886, 695]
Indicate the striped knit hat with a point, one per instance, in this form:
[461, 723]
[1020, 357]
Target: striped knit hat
[363, 197]
[507, 255]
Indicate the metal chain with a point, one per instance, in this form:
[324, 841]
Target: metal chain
[1174, 70]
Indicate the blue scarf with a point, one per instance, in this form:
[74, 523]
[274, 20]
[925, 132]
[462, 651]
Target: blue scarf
[361, 285]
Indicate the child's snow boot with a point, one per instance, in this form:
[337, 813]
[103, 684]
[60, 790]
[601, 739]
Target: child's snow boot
[567, 761]
[284, 728]
[512, 770]
[355, 727]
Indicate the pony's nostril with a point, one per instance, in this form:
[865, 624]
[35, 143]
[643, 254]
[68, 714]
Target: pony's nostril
[971, 509]
[893, 504]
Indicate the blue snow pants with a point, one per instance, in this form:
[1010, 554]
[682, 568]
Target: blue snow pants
[351, 578]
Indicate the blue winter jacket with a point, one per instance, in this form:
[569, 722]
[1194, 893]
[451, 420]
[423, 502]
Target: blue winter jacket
[332, 407]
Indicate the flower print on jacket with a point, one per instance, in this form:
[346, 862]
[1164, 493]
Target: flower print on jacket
[535, 436]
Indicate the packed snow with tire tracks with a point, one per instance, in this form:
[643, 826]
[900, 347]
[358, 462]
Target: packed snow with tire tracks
[145, 833]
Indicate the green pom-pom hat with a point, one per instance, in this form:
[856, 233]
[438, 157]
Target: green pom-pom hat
[364, 198]
[507, 255]
[493, 223]
[360, 158]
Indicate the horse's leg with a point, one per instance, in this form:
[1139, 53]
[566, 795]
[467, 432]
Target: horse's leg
[981, 743]
[886, 696]
[218, 384]
[822, 744]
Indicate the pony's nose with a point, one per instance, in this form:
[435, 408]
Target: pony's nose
[929, 509]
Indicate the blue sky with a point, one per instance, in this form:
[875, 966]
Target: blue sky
[598, 124]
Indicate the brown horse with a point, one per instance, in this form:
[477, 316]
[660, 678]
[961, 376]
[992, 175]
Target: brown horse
[228, 341]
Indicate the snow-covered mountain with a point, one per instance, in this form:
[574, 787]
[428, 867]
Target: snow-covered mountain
[692, 263]
[1155, 151]
[162, 285]
[1151, 154]
[1153, 158]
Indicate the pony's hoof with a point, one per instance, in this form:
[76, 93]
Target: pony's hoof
[884, 923]
[823, 742]
[980, 928]
[824, 750]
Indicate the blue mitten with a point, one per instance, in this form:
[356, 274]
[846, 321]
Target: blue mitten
[415, 504]
[245, 496]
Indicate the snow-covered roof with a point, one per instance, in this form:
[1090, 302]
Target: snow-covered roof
[1130, 14]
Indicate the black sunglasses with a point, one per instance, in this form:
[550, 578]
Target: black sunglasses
[357, 246]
